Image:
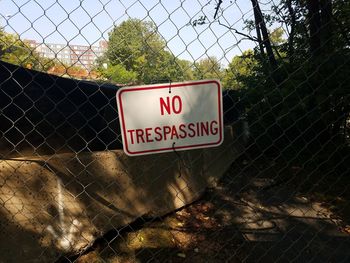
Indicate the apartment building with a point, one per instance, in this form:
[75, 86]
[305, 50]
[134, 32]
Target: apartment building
[77, 55]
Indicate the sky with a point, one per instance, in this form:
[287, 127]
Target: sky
[86, 22]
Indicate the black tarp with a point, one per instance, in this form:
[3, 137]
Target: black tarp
[48, 113]
[44, 114]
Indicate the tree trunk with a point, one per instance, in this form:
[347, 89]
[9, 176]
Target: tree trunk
[259, 20]
[314, 18]
[292, 29]
[326, 26]
[258, 35]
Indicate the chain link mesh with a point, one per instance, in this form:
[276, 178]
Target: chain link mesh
[284, 68]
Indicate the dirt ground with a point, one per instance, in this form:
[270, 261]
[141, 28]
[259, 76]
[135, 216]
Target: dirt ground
[261, 211]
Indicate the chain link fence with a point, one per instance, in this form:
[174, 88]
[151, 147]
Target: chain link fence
[276, 190]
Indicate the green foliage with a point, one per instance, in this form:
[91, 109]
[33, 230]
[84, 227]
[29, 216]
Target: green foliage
[276, 36]
[139, 54]
[119, 74]
[133, 43]
[208, 68]
[240, 69]
[16, 51]
[341, 19]
[304, 103]
[303, 112]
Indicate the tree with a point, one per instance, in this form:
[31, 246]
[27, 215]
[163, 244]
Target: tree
[119, 74]
[208, 68]
[276, 37]
[16, 51]
[239, 70]
[296, 87]
[137, 53]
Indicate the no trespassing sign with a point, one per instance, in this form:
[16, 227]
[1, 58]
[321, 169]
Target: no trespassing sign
[170, 117]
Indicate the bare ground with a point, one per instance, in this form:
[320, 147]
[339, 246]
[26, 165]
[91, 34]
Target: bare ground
[260, 212]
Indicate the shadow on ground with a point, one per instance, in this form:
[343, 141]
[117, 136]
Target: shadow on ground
[248, 217]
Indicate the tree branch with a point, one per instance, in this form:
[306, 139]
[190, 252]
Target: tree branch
[239, 33]
[217, 8]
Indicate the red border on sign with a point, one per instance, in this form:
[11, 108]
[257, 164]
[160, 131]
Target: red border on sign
[179, 85]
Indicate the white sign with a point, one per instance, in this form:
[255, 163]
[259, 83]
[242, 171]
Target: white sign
[168, 117]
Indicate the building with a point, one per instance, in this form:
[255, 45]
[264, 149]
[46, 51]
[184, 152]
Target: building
[76, 55]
